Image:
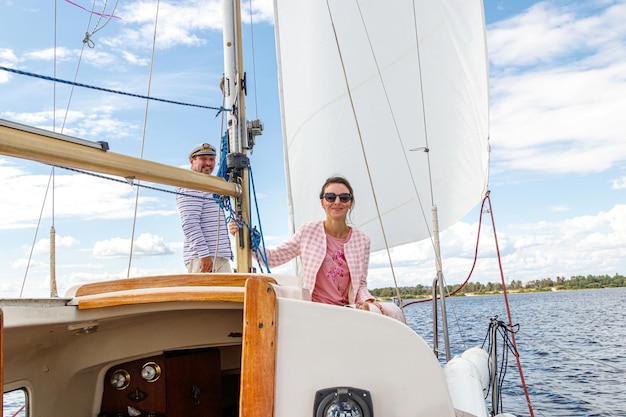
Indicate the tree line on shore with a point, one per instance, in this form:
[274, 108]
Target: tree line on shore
[545, 284]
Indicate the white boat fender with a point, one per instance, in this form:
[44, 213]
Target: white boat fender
[480, 358]
[465, 382]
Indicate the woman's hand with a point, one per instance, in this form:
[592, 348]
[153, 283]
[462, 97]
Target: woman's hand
[365, 305]
[362, 305]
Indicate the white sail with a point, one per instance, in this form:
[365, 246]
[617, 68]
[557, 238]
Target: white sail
[415, 78]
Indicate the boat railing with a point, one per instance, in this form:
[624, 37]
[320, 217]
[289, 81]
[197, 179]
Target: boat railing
[438, 291]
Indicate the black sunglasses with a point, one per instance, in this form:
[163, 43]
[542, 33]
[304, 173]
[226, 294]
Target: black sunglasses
[343, 197]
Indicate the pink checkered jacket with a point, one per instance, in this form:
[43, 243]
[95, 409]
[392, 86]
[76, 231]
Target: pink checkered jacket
[309, 242]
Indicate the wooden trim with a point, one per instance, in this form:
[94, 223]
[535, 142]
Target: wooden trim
[161, 297]
[258, 355]
[163, 281]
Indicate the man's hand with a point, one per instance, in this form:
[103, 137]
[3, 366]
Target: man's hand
[233, 227]
[206, 264]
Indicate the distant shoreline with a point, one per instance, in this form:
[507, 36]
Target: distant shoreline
[471, 289]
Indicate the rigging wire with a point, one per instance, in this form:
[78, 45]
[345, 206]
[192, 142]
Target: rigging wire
[87, 40]
[359, 135]
[421, 84]
[32, 247]
[108, 90]
[143, 138]
[73, 83]
[51, 183]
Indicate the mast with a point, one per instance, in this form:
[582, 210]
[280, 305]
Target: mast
[240, 135]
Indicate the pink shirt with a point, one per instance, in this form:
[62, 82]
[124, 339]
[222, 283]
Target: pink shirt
[333, 278]
[309, 242]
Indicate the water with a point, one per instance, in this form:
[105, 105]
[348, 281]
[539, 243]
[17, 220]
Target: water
[572, 347]
[14, 404]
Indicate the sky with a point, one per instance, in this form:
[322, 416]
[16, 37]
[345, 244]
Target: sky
[557, 128]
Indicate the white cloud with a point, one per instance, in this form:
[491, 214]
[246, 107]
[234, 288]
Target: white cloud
[23, 263]
[179, 23]
[618, 183]
[146, 244]
[75, 195]
[7, 56]
[564, 115]
[7, 59]
[49, 54]
[549, 33]
[593, 244]
[98, 123]
[43, 245]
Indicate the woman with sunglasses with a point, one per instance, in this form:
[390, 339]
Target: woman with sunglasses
[334, 256]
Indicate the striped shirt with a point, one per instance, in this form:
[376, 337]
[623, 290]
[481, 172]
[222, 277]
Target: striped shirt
[202, 220]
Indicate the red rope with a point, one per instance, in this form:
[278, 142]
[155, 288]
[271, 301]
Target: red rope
[506, 301]
[506, 298]
[480, 221]
[19, 411]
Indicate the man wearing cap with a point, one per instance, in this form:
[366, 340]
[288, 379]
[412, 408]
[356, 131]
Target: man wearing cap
[207, 245]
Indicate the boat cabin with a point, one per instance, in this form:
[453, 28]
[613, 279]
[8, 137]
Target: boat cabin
[206, 345]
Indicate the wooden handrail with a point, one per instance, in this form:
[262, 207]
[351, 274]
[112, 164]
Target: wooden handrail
[160, 297]
[163, 281]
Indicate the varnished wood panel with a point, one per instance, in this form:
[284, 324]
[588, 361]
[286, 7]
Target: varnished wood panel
[172, 394]
[258, 360]
[194, 390]
[116, 402]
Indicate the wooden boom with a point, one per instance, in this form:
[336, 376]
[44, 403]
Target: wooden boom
[25, 142]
